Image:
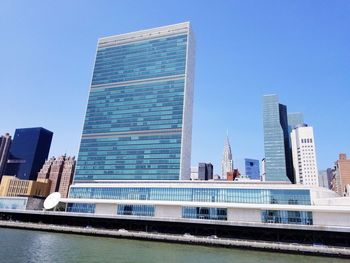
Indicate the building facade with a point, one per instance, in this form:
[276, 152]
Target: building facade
[67, 176]
[205, 171]
[323, 179]
[5, 142]
[194, 172]
[278, 161]
[60, 172]
[295, 119]
[263, 170]
[138, 121]
[330, 173]
[56, 173]
[208, 202]
[12, 186]
[341, 174]
[252, 169]
[304, 155]
[227, 162]
[28, 152]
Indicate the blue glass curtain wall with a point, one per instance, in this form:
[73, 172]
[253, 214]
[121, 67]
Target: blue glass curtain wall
[81, 208]
[287, 217]
[204, 213]
[136, 210]
[133, 122]
[145, 59]
[255, 196]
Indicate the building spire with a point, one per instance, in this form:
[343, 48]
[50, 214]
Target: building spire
[227, 162]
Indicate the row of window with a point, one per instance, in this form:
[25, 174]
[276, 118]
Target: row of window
[140, 60]
[136, 210]
[255, 196]
[18, 204]
[135, 127]
[205, 213]
[287, 217]
[309, 140]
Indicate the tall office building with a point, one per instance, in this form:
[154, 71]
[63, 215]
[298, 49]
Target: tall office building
[60, 171]
[5, 142]
[252, 169]
[323, 179]
[330, 173]
[205, 171]
[294, 119]
[56, 173]
[263, 170]
[341, 173]
[44, 172]
[28, 152]
[304, 155]
[278, 161]
[67, 176]
[227, 162]
[138, 121]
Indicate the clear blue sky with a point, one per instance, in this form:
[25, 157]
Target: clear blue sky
[299, 50]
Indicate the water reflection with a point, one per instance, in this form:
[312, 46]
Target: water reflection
[19, 246]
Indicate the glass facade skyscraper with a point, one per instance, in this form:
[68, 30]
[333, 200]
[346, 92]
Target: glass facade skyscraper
[252, 169]
[138, 121]
[29, 150]
[278, 160]
[294, 119]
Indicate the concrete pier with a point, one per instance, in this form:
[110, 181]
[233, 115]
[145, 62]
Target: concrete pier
[186, 238]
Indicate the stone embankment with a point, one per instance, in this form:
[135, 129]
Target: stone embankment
[187, 238]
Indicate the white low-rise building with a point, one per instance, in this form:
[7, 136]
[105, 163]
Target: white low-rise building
[231, 202]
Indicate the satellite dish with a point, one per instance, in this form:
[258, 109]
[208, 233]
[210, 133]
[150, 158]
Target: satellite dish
[52, 200]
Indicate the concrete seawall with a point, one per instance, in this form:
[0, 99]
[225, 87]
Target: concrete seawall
[189, 239]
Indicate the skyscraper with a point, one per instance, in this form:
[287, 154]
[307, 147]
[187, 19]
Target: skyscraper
[252, 169]
[227, 162]
[341, 173]
[304, 155]
[205, 171]
[138, 121]
[60, 171]
[5, 142]
[28, 152]
[67, 176]
[295, 119]
[323, 179]
[56, 173]
[278, 161]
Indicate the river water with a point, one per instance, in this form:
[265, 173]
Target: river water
[17, 246]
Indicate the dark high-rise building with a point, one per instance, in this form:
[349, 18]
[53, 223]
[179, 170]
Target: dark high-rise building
[205, 171]
[5, 142]
[330, 174]
[295, 119]
[252, 169]
[278, 160]
[28, 152]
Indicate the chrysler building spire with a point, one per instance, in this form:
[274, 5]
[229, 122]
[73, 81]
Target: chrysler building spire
[227, 162]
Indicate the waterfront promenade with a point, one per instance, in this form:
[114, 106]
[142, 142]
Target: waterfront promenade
[186, 238]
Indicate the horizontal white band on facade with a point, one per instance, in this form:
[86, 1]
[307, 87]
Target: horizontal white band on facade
[191, 220]
[131, 133]
[311, 208]
[116, 40]
[138, 82]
